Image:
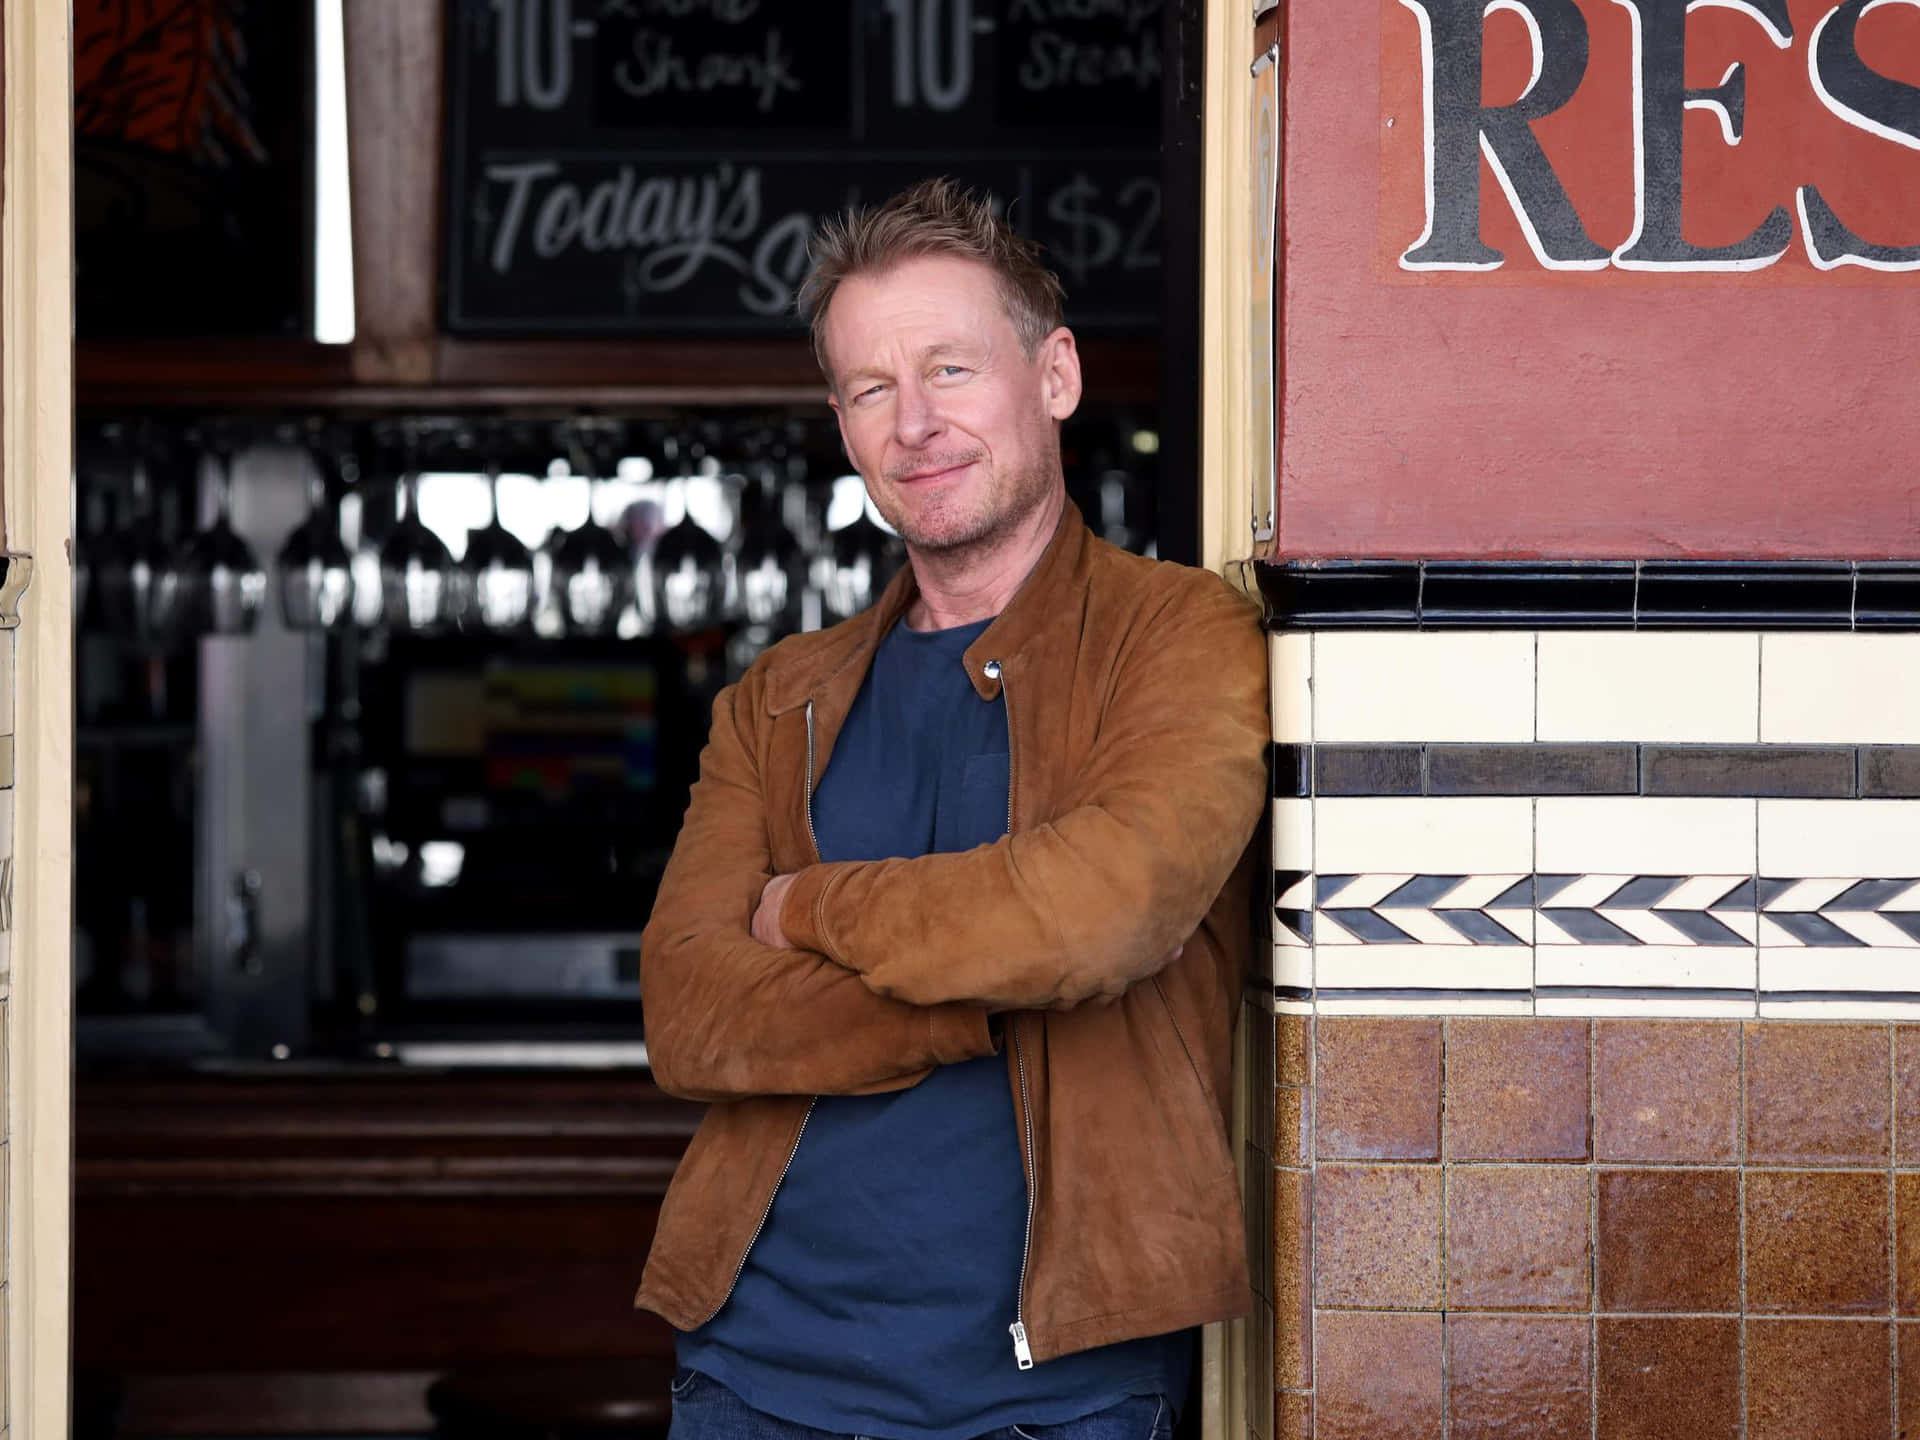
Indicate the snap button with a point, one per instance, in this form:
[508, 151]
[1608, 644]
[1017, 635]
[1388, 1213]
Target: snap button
[991, 669]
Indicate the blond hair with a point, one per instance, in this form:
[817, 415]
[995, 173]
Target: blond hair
[933, 217]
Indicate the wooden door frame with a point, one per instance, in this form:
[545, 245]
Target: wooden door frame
[36, 448]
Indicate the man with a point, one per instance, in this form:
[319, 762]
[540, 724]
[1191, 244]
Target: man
[949, 936]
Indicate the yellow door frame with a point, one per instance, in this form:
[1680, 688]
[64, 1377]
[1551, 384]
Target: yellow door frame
[36, 450]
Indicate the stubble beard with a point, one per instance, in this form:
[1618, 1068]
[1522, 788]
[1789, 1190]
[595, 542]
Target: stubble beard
[992, 511]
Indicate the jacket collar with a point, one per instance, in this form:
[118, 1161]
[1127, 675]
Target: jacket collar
[1033, 606]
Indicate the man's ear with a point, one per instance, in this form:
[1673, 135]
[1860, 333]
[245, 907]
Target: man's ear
[1060, 373]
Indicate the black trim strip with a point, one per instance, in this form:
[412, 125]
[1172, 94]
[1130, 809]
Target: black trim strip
[1643, 992]
[1402, 992]
[1845, 997]
[1772, 772]
[1592, 594]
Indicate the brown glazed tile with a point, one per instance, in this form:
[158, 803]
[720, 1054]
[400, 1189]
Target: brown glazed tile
[1906, 1094]
[1290, 1126]
[1666, 1090]
[1667, 1379]
[1377, 1089]
[1380, 1376]
[1817, 1243]
[1517, 1089]
[1669, 1240]
[1517, 1237]
[1906, 1229]
[1377, 1229]
[1293, 1415]
[1826, 1378]
[1292, 1278]
[1511, 1378]
[1816, 1094]
[1907, 1376]
[1292, 1049]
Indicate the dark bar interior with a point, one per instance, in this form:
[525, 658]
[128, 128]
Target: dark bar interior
[397, 634]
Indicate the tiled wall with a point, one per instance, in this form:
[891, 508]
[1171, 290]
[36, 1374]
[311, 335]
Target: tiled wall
[1594, 822]
[1595, 1077]
[1565, 1227]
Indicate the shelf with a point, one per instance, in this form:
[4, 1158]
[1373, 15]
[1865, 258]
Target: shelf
[517, 375]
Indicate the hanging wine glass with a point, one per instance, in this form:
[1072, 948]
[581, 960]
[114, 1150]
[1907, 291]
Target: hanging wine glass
[417, 581]
[220, 585]
[689, 575]
[592, 570]
[859, 560]
[497, 570]
[315, 570]
[770, 567]
[136, 566]
[367, 516]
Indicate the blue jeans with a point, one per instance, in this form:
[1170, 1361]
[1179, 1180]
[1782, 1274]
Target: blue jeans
[704, 1409]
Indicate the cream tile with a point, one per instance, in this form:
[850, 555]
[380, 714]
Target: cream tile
[1648, 685]
[1698, 967]
[1862, 838]
[1291, 658]
[1373, 685]
[1423, 967]
[1820, 967]
[1653, 1006]
[1471, 836]
[1293, 966]
[1280, 1005]
[1840, 1009]
[1426, 1005]
[1627, 835]
[1293, 826]
[1840, 688]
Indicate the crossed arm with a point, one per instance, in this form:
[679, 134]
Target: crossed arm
[890, 967]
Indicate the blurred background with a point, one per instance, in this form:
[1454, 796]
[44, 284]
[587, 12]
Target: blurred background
[446, 442]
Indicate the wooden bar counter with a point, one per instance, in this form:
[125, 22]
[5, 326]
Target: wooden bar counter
[264, 1249]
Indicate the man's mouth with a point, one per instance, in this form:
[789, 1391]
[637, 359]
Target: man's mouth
[941, 472]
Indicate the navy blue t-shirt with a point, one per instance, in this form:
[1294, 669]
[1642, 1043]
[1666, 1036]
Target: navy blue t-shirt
[877, 1297]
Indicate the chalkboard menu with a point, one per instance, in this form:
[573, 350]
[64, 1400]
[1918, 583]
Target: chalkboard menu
[632, 167]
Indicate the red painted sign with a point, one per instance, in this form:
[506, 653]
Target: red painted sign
[1610, 381]
[1584, 137]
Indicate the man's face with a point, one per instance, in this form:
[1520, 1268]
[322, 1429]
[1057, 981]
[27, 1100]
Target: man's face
[952, 425]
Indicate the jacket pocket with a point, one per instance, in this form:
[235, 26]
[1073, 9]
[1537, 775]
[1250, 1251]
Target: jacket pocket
[1186, 1050]
[1197, 1109]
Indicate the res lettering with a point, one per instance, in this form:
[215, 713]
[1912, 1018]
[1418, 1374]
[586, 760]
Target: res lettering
[1461, 129]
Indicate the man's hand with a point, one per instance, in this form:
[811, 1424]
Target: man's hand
[766, 918]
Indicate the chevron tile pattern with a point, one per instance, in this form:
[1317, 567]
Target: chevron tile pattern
[1842, 913]
[1613, 910]
[1423, 909]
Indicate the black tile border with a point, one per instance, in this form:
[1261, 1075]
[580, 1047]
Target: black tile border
[1591, 594]
[1737, 772]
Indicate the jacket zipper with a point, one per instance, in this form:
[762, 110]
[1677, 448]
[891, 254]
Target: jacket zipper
[740, 1269]
[1022, 1352]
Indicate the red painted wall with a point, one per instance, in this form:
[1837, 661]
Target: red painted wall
[1523, 411]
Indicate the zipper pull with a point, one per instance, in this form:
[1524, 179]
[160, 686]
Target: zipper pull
[1021, 1354]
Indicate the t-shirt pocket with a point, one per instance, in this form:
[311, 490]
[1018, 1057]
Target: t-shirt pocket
[977, 815]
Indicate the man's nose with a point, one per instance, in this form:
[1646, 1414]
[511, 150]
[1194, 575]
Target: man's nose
[916, 418]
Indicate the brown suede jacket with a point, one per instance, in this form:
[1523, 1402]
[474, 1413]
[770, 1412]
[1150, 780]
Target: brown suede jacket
[1137, 725]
